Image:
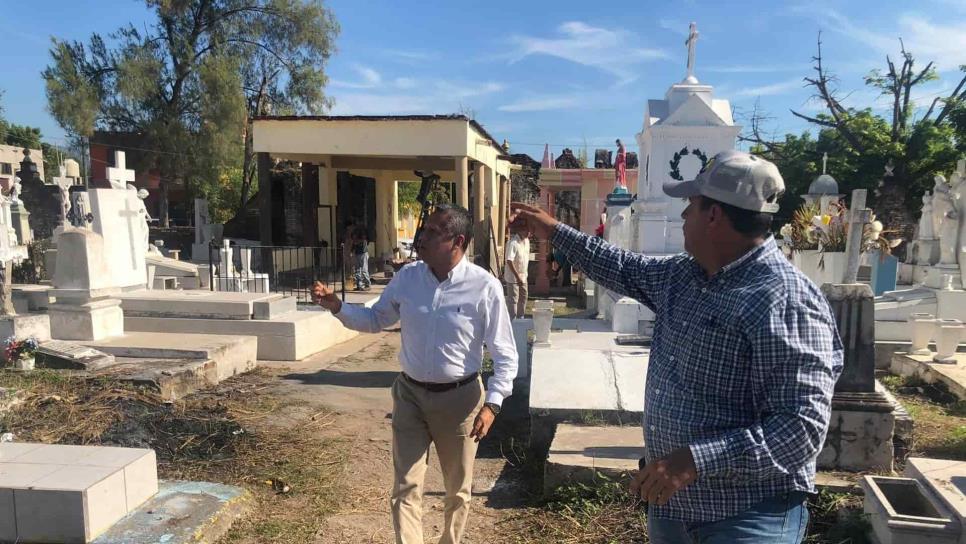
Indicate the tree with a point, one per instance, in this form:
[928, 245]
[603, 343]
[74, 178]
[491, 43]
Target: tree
[284, 71]
[181, 84]
[893, 156]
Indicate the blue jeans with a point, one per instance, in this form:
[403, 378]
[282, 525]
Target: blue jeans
[361, 272]
[778, 520]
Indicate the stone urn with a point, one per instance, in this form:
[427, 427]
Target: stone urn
[922, 327]
[948, 333]
[542, 319]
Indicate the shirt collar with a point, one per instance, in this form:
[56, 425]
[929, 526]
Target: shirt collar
[755, 254]
[456, 274]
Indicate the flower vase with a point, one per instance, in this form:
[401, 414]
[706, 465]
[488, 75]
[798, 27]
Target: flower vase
[922, 327]
[24, 363]
[834, 267]
[948, 333]
[542, 320]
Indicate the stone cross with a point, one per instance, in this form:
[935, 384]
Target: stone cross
[202, 231]
[859, 217]
[64, 184]
[691, 43]
[824, 162]
[132, 215]
[119, 175]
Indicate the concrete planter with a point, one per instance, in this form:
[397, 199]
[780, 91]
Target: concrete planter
[948, 334]
[542, 319]
[922, 327]
[902, 511]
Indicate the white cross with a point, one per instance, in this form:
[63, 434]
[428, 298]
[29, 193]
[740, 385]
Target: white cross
[859, 217]
[691, 43]
[119, 175]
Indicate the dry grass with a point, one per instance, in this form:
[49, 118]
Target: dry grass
[221, 435]
[940, 418]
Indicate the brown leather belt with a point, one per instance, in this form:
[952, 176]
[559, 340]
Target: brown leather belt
[440, 387]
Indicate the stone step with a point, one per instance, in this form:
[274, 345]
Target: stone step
[219, 356]
[578, 453]
[61, 494]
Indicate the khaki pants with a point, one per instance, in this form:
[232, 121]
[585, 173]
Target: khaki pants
[420, 417]
[516, 294]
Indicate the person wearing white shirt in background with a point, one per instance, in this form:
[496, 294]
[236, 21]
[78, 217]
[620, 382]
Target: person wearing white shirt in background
[515, 274]
[449, 309]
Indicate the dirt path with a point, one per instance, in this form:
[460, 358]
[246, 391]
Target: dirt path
[353, 380]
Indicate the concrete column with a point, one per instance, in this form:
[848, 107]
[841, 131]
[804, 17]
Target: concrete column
[503, 211]
[264, 165]
[394, 205]
[478, 211]
[462, 182]
[490, 232]
[385, 226]
[327, 203]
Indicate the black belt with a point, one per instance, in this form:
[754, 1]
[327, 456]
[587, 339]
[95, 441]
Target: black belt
[440, 387]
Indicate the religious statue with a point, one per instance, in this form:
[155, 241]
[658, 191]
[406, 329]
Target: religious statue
[941, 203]
[143, 210]
[949, 237]
[925, 220]
[620, 168]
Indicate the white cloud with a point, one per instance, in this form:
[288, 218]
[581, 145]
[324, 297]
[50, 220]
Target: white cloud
[410, 55]
[612, 51]
[543, 103]
[756, 68]
[368, 79]
[943, 42]
[781, 87]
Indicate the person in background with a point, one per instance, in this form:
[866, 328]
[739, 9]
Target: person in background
[515, 273]
[360, 254]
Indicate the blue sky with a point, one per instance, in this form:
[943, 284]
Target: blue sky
[563, 73]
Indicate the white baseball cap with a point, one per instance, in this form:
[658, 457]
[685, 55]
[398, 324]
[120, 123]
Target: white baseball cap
[736, 178]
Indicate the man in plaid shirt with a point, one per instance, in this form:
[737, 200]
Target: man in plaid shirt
[742, 367]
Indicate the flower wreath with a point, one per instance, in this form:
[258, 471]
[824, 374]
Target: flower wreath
[676, 161]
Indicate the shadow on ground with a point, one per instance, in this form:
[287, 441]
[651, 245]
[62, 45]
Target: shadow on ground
[371, 379]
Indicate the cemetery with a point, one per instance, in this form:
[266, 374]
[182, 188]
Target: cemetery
[179, 384]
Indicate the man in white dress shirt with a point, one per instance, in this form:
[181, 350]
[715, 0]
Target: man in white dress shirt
[448, 308]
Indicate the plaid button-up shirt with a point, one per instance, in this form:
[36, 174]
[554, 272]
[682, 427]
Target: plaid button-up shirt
[741, 370]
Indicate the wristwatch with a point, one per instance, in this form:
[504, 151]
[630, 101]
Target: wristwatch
[495, 408]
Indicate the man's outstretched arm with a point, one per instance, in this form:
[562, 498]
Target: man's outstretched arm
[625, 272]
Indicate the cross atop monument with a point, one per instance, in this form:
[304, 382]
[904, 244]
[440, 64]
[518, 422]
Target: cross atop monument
[691, 42]
[119, 175]
[824, 162]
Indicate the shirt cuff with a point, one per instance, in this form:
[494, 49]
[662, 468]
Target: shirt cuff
[494, 397]
[711, 456]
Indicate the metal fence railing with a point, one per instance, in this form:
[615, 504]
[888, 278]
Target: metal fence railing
[289, 270]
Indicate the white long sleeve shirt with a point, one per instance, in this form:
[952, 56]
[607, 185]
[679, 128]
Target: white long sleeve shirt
[445, 325]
